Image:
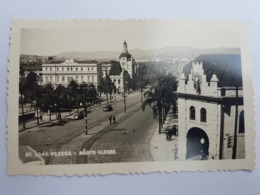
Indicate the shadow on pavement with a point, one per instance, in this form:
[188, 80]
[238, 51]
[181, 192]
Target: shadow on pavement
[56, 123]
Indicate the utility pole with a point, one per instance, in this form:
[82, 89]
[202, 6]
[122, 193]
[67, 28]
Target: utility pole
[234, 149]
[22, 96]
[85, 109]
[125, 82]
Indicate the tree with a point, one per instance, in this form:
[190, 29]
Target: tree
[89, 92]
[106, 86]
[60, 97]
[72, 90]
[160, 97]
[47, 99]
[28, 87]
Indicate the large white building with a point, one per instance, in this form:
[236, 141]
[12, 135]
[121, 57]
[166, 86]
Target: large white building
[211, 112]
[62, 73]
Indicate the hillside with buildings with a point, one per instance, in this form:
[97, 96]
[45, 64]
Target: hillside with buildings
[160, 54]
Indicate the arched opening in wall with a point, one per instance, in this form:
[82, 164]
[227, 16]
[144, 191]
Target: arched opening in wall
[192, 113]
[197, 144]
[203, 115]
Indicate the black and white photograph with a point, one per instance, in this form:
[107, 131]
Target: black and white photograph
[120, 92]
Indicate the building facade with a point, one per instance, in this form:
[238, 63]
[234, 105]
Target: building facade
[210, 115]
[122, 72]
[62, 73]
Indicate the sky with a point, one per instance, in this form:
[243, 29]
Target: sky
[107, 36]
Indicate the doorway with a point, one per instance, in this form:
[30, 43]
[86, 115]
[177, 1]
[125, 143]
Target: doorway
[197, 144]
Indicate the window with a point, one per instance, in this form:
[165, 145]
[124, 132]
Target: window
[241, 123]
[93, 79]
[76, 68]
[62, 69]
[82, 78]
[58, 79]
[88, 69]
[50, 79]
[68, 79]
[192, 113]
[119, 81]
[81, 68]
[63, 78]
[68, 69]
[203, 115]
[50, 69]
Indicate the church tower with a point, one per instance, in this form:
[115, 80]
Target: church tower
[126, 60]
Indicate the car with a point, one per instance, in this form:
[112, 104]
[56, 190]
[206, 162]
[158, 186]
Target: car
[108, 107]
[78, 115]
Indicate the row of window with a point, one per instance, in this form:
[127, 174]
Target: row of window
[69, 78]
[118, 81]
[68, 68]
[203, 114]
[203, 118]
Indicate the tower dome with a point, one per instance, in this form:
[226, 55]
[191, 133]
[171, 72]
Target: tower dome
[125, 52]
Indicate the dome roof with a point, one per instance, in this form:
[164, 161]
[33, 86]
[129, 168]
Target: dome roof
[116, 68]
[126, 55]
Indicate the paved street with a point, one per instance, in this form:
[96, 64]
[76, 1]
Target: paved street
[129, 139]
[54, 136]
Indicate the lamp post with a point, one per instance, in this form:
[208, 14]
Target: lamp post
[125, 82]
[141, 88]
[22, 98]
[50, 112]
[202, 142]
[85, 108]
[55, 105]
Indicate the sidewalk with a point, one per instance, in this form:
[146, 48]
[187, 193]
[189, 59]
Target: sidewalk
[161, 149]
[46, 118]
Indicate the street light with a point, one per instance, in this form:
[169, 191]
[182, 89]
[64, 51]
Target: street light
[125, 82]
[55, 105]
[202, 141]
[50, 112]
[85, 108]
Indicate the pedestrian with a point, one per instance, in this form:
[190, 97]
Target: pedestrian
[175, 149]
[59, 116]
[202, 155]
[114, 119]
[169, 135]
[41, 117]
[110, 119]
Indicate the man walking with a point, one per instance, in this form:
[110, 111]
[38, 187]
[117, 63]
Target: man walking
[110, 119]
[114, 119]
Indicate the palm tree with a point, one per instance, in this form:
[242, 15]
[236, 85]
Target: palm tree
[160, 97]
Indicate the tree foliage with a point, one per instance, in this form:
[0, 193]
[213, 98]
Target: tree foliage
[161, 96]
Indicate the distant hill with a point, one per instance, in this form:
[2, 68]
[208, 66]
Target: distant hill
[226, 66]
[139, 54]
